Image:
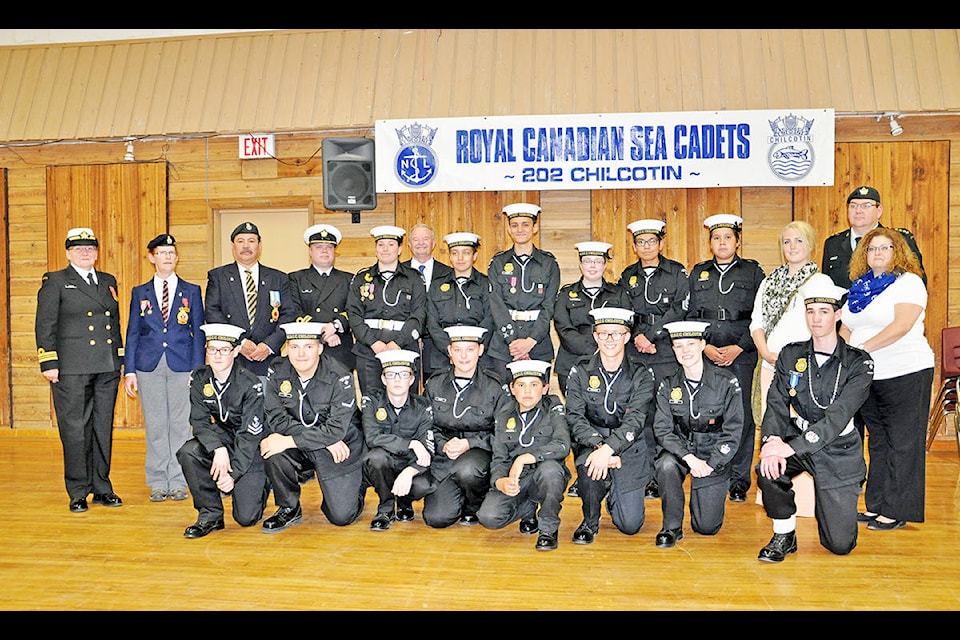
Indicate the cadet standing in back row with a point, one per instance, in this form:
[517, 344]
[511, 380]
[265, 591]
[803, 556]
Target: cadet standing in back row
[524, 282]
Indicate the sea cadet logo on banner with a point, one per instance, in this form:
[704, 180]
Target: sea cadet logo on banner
[791, 149]
[416, 163]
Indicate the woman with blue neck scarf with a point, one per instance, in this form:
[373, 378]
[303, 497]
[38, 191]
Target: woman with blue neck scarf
[884, 316]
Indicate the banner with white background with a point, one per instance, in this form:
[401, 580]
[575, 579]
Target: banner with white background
[697, 149]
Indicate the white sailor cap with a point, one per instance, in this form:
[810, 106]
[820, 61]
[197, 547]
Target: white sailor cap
[388, 232]
[322, 233]
[223, 332]
[81, 237]
[721, 220]
[823, 292]
[303, 330]
[525, 368]
[594, 249]
[655, 227]
[522, 209]
[612, 315]
[464, 333]
[686, 329]
[462, 239]
[397, 358]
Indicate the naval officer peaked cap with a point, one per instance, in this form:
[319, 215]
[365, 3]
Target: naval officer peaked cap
[81, 237]
[322, 233]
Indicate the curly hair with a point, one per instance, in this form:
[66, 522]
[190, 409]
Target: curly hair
[902, 261]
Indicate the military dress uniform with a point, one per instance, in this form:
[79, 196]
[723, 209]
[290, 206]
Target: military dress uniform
[725, 300]
[388, 432]
[323, 298]
[609, 407]
[461, 410]
[387, 307]
[316, 414]
[432, 357]
[656, 299]
[227, 415]
[811, 406]
[705, 420]
[543, 433]
[450, 303]
[574, 325]
[838, 249]
[523, 295]
[78, 332]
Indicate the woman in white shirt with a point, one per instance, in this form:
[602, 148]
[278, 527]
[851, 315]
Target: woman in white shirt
[884, 316]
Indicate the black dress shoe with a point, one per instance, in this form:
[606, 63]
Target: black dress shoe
[404, 512]
[862, 517]
[529, 526]
[79, 505]
[584, 534]
[283, 518]
[573, 491]
[667, 538]
[107, 499]
[779, 546]
[469, 519]
[738, 495]
[876, 525]
[546, 542]
[381, 523]
[652, 491]
[201, 528]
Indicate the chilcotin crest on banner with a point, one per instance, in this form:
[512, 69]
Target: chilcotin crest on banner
[791, 152]
[416, 163]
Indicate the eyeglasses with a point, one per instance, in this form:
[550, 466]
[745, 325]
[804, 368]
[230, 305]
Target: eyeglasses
[84, 249]
[647, 243]
[593, 261]
[403, 375]
[611, 335]
[863, 206]
[884, 248]
[219, 351]
[165, 253]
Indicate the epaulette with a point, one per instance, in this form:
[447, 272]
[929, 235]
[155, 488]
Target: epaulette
[905, 232]
[546, 253]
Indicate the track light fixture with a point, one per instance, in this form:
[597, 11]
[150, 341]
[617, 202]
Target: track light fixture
[128, 156]
[895, 128]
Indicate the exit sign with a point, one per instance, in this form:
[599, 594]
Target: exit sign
[257, 146]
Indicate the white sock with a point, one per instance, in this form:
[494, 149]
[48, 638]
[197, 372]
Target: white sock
[785, 526]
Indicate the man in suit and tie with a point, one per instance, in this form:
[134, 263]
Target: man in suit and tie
[164, 344]
[251, 295]
[80, 351]
[422, 242]
[863, 213]
[319, 293]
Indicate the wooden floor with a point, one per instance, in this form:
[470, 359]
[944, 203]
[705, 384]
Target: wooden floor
[136, 558]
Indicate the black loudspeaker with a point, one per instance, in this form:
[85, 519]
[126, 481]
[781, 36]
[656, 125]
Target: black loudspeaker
[348, 174]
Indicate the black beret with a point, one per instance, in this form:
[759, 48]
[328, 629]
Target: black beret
[864, 193]
[163, 240]
[246, 227]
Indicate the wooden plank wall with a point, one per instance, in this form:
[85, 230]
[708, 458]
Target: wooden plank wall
[205, 175]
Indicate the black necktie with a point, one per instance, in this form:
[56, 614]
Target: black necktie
[856, 241]
[90, 279]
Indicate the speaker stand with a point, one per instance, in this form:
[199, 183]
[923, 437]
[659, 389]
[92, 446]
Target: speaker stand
[355, 217]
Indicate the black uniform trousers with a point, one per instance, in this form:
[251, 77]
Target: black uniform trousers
[465, 483]
[835, 507]
[343, 493]
[381, 468]
[249, 493]
[544, 486]
[707, 495]
[84, 403]
[624, 491]
[742, 464]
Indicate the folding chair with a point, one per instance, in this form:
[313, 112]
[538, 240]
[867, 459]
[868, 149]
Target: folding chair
[945, 405]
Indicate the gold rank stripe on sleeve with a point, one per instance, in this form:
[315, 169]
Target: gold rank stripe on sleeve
[46, 356]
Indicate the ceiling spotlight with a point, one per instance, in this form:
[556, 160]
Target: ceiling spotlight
[895, 128]
[128, 157]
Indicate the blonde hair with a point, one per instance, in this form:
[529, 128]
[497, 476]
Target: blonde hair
[806, 231]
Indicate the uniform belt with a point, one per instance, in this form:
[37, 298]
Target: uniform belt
[723, 314]
[389, 325]
[648, 318]
[525, 316]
